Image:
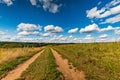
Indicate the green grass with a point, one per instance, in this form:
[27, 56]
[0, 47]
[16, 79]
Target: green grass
[43, 68]
[99, 61]
[5, 67]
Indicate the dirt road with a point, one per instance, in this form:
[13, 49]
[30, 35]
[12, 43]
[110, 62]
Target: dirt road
[68, 71]
[16, 73]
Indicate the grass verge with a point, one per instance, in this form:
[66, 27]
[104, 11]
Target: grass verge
[9, 65]
[43, 68]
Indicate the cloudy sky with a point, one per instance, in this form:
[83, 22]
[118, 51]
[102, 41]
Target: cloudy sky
[60, 20]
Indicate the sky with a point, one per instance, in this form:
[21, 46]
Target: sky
[60, 21]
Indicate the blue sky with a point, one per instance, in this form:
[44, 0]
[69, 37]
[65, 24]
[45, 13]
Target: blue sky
[59, 20]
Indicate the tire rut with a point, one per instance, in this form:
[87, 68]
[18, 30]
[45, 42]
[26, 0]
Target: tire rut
[16, 73]
[68, 71]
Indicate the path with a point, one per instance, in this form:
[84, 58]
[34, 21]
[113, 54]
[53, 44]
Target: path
[16, 73]
[68, 71]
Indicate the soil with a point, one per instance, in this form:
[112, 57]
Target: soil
[69, 72]
[16, 73]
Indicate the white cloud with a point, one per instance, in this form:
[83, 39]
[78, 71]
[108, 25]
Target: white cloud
[99, 3]
[8, 2]
[109, 28]
[53, 8]
[33, 2]
[110, 9]
[88, 37]
[114, 10]
[90, 28]
[25, 33]
[28, 27]
[72, 31]
[59, 38]
[94, 12]
[95, 28]
[112, 20]
[103, 36]
[117, 32]
[110, 13]
[46, 34]
[2, 33]
[50, 6]
[113, 3]
[70, 36]
[53, 29]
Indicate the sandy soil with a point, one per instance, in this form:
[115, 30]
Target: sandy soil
[16, 73]
[68, 71]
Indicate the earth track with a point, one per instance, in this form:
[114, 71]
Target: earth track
[68, 71]
[16, 73]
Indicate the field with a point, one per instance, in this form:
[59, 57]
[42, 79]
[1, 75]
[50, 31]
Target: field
[99, 61]
[11, 57]
[92, 61]
[43, 68]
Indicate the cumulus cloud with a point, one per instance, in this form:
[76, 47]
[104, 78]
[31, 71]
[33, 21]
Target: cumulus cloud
[94, 13]
[105, 11]
[2, 33]
[59, 38]
[109, 28]
[95, 28]
[50, 5]
[112, 20]
[72, 31]
[47, 5]
[99, 3]
[33, 2]
[117, 32]
[53, 29]
[28, 29]
[25, 33]
[90, 28]
[46, 34]
[103, 36]
[110, 12]
[8, 2]
[88, 37]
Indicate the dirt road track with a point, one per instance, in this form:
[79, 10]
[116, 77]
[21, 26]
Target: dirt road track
[16, 73]
[68, 73]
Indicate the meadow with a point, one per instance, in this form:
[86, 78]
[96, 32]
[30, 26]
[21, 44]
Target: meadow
[99, 61]
[11, 57]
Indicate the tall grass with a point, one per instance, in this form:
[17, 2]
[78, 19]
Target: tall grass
[11, 57]
[100, 61]
[9, 54]
[43, 68]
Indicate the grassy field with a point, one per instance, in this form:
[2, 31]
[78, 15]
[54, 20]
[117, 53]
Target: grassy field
[11, 57]
[43, 68]
[99, 61]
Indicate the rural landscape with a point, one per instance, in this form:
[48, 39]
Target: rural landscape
[59, 39]
[85, 61]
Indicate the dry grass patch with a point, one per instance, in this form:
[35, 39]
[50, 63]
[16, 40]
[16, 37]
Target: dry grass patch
[11, 57]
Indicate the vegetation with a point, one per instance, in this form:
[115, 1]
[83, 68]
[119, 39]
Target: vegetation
[11, 57]
[43, 68]
[20, 44]
[99, 61]
[24, 44]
